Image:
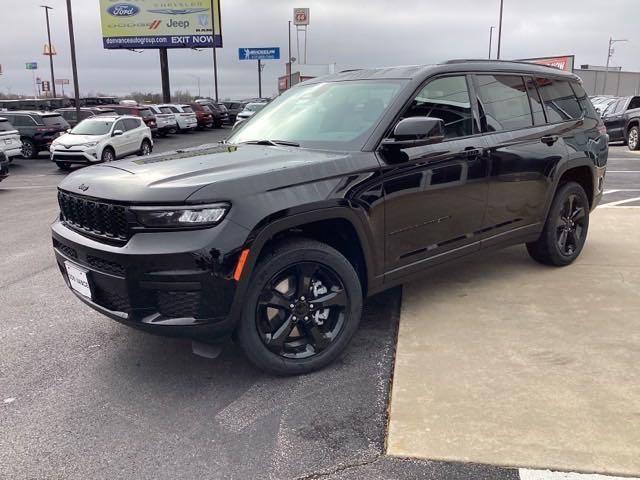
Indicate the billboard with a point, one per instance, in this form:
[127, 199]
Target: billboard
[562, 63]
[160, 24]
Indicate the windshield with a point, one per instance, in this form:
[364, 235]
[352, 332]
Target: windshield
[93, 127]
[255, 107]
[334, 115]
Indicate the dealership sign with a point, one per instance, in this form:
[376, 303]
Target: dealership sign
[32, 66]
[259, 53]
[561, 63]
[160, 24]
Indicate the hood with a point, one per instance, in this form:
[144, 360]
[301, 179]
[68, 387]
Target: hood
[74, 140]
[228, 171]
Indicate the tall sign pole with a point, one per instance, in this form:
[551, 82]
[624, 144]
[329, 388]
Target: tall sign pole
[215, 54]
[53, 78]
[74, 65]
[500, 29]
[164, 75]
[290, 62]
[259, 78]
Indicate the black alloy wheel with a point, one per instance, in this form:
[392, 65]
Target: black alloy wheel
[565, 230]
[570, 225]
[302, 307]
[301, 310]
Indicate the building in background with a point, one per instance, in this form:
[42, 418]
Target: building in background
[618, 83]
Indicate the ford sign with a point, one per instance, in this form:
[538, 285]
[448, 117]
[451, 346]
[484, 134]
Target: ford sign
[123, 10]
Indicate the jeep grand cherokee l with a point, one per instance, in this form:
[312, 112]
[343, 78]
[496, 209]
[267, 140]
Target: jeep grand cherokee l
[37, 129]
[340, 188]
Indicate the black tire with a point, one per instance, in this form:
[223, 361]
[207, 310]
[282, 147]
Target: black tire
[108, 155]
[314, 341]
[566, 228]
[64, 166]
[145, 148]
[29, 149]
[633, 138]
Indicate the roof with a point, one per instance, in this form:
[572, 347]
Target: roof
[32, 112]
[419, 71]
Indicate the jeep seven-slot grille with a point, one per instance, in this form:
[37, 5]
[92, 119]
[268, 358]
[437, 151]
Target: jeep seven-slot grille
[102, 219]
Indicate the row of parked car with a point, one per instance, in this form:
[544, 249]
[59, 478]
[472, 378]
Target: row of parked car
[108, 132]
[621, 116]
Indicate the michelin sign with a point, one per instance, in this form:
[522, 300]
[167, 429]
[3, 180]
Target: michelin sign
[160, 24]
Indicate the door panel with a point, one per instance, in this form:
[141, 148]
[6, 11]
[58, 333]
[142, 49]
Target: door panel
[120, 142]
[435, 195]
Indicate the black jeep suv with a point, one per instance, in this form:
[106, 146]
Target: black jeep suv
[340, 188]
[37, 129]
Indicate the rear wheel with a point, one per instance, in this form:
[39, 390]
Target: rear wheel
[303, 306]
[108, 155]
[29, 149]
[145, 148]
[633, 140]
[565, 230]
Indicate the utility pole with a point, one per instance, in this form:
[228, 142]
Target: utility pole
[53, 77]
[500, 29]
[74, 65]
[215, 54]
[610, 52]
[164, 75]
[290, 62]
[490, 39]
[259, 78]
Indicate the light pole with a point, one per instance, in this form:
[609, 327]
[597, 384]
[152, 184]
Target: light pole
[610, 52]
[500, 29]
[197, 78]
[53, 78]
[290, 62]
[490, 39]
[74, 65]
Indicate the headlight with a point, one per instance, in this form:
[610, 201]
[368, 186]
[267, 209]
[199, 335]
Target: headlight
[89, 145]
[167, 217]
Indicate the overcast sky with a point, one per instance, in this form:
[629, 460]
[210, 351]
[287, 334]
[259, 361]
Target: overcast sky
[350, 33]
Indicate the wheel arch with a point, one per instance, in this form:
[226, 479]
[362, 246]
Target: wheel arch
[353, 241]
[581, 171]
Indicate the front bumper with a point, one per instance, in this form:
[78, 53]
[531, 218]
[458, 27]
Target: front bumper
[83, 157]
[171, 283]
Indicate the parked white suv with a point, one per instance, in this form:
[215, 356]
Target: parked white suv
[185, 116]
[102, 139]
[165, 118]
[10, 143]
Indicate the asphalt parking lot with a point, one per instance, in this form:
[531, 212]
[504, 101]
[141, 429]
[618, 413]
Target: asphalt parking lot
[84, 397]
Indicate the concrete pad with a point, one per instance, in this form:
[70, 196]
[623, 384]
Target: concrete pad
[507, 362]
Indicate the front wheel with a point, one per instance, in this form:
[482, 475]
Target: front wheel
[145, 148]
[108, 155]
[633, 140]
[303, 307]
[565, 230]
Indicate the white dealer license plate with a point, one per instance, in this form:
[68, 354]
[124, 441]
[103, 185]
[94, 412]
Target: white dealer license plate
[8, 141]
[78, 279]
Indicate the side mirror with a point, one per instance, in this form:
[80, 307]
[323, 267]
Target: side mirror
[415, 132]
[117, 133]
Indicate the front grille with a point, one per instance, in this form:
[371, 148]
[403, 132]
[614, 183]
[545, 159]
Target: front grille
[106, 266]
[71, 158]
[91, 216]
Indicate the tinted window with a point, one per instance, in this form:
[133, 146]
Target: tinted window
[131, 123]
[446, 98]
[504, 103]
[24, 121]
[166, 110]
[120, 126]
[174, 109]
[560, 101]
[187, 109]
[584, 101]
[635, 103]
[5, 126]
[536, 103]
[145, 113]
[54, 121]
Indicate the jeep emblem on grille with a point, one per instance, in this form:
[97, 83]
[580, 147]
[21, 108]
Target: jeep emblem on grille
[84, 187]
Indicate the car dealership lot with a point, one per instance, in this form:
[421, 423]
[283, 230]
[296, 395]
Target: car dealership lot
[84, 397]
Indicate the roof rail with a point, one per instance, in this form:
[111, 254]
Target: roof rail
[350, 70]
[486, 60]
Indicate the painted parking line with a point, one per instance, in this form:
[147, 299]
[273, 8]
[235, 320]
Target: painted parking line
[526, 474]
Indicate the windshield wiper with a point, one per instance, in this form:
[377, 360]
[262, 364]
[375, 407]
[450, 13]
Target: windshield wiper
[273, 143]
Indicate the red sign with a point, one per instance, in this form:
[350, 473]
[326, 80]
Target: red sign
[561, 63]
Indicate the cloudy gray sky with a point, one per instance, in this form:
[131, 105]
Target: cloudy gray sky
[350, 33]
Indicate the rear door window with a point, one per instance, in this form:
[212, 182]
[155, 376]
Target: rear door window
[536, 102]
[166, 110]
[504, 103]
[131, 123]
[634, 103]
[583, 99]
[145, 113]
[187, 109]
[54, 121]
[446, 98]
[559, 100]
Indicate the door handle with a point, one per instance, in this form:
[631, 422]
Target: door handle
[550, 139]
